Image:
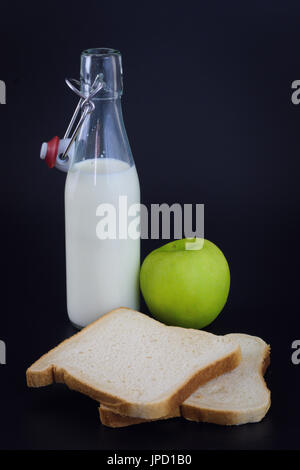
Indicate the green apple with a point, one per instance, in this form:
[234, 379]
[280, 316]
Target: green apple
[185, 282]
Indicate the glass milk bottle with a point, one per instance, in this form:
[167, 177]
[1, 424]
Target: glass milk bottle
[102, 185]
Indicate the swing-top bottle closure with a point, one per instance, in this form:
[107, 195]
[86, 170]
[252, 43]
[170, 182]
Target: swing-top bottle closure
[57, 152]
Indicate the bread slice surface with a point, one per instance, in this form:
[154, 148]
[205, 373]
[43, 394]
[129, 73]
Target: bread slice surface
[237, 397]
[134, 364]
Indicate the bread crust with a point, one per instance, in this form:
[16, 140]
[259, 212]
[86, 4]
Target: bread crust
[152, 410]
[114, 420]
[192, 413]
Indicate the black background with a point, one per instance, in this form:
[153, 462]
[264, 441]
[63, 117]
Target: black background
[208, 111]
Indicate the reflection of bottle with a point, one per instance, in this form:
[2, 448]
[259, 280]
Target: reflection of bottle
[102, 274]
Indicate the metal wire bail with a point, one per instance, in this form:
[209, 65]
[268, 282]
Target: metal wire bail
[84, 104]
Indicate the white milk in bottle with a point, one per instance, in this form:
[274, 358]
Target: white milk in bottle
[102, 271]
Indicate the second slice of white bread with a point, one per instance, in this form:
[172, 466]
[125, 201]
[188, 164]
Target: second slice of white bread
[134, 364]
[237, 397]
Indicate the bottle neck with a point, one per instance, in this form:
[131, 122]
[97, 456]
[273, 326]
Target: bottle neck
[105, 65]
[107, 129]
[103, 133]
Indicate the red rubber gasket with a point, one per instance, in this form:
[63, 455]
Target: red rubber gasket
[51, 154]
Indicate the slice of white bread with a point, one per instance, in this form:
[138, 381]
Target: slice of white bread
[237, 397]
[134, 364]
[115, 420]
